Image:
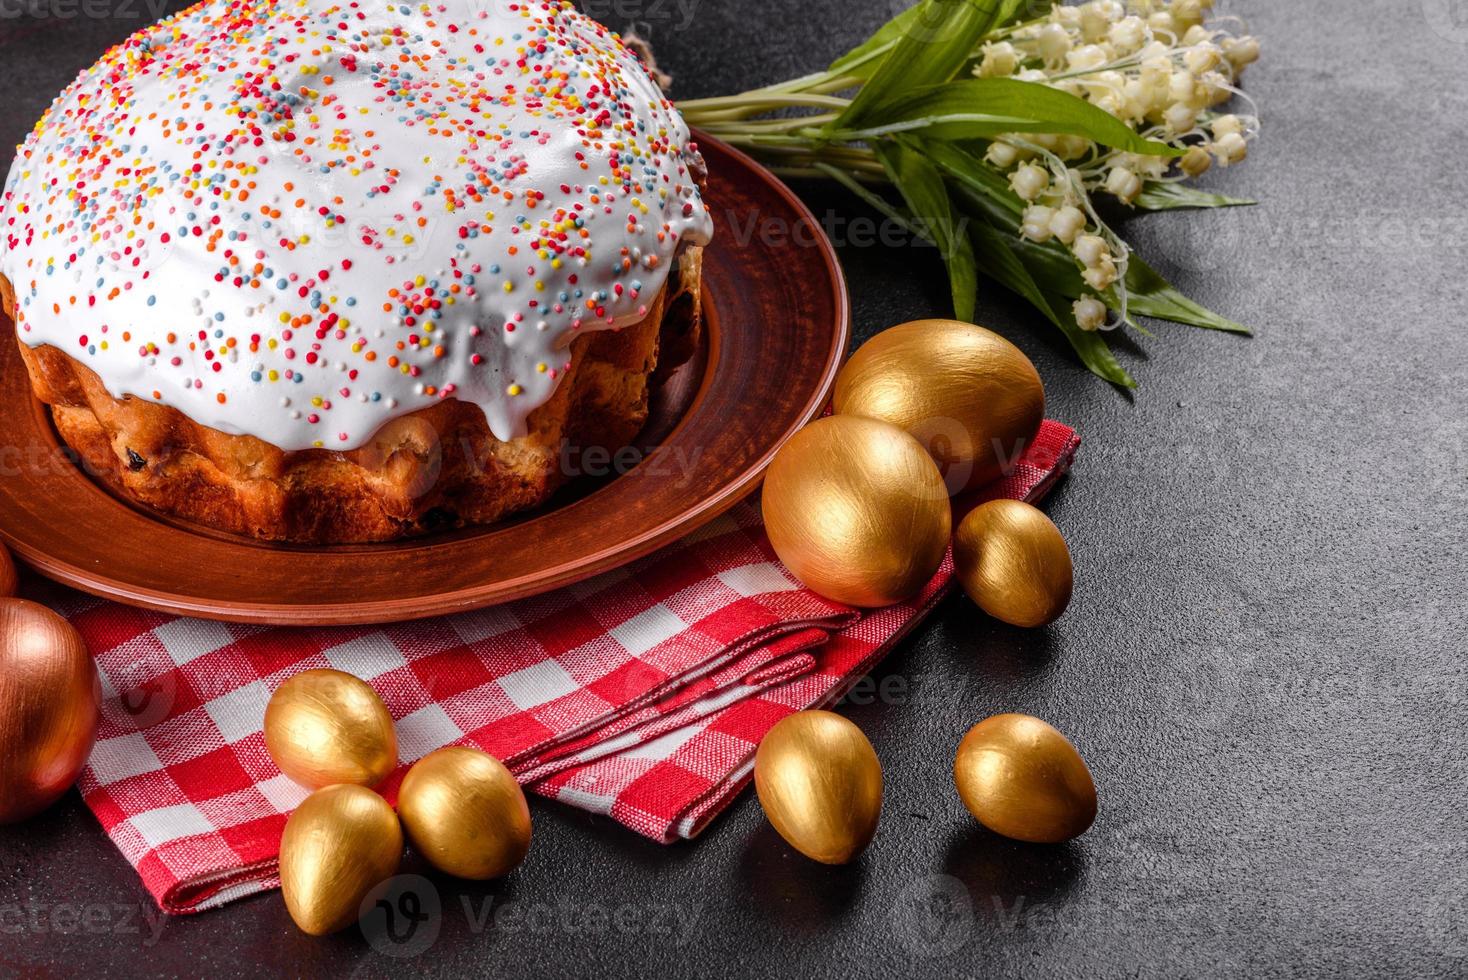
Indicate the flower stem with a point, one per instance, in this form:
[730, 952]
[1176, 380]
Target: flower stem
[817, 172]
[739, 108]
[773, 96]
[740, 127]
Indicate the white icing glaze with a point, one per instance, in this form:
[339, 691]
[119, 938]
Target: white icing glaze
[450, 192]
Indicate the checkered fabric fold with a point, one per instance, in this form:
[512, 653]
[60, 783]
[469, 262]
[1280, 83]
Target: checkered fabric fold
[641, 695]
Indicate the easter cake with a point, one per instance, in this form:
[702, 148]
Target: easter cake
[351, 271]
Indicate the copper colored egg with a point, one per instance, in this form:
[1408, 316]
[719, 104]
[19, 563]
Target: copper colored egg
[50, 705]
[1023, 779]
[857, 511]
[325, 726]
[820, 784]
[969, 396]
[465, 813]
[1013, 561]
[9, 581]
[339, 845]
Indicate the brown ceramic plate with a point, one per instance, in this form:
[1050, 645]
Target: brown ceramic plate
[776, 332]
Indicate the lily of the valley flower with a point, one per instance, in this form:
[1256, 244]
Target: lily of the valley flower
[1158, 66]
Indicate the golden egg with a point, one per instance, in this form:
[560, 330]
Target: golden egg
[324, 727]
[9, 581]
[1012, 560]
[1023, 779]
[857, 511]
[968, 395]
[50, 705]
[820, 784]
[465, 813]
[338, 845]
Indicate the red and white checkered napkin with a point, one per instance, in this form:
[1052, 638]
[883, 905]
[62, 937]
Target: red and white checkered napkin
[641, 694]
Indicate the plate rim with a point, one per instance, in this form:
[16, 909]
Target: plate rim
[585, 566]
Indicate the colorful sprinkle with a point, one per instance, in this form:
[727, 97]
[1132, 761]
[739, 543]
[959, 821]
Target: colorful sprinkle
[224, 186]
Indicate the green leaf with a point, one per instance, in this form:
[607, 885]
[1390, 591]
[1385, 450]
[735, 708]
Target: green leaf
[1151, 295]
[1045, 275]
[962, 268]
[1009, 11]
[938, 37]
[1003, 263]
[863, 59]
[983, 180]
[1001, 254]
[921, 186]
[1171, 196]
[1050, 263]
[981, 191]
[1093, 351]
[876, 201]
[983, 108]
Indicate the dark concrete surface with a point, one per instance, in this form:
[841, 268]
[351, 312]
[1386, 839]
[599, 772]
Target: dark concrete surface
[1264, 663]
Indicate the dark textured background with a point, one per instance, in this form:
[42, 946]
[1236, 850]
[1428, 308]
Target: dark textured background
[1264, 662]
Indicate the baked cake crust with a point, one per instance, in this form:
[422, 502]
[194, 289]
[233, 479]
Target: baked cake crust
[434, 469]
[325, 273]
